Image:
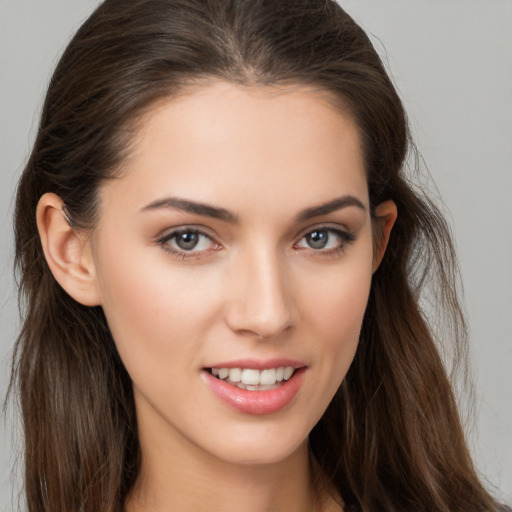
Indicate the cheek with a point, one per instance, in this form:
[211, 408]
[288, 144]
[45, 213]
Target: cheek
[154, 314]
[338, 300]
[335, 314]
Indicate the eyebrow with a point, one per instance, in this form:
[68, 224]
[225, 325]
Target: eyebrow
[222, 214]
[331, 206]
[193, 207]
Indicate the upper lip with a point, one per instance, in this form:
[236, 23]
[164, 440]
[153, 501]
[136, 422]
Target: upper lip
[258, 364]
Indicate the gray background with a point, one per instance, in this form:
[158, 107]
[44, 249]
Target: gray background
[452, 63]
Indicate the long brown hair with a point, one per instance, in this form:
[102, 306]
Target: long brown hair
[391, 439]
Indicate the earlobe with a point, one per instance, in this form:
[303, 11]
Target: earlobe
[386, 214]
[67, 252]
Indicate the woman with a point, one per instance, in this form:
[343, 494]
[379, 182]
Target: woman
[222, 264]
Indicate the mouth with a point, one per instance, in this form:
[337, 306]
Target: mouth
[252, 379]
[256, 387]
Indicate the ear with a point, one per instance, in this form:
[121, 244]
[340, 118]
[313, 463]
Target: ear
[385, 214]
[67, 251]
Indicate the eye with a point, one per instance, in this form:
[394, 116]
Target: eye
[187, 242]
[325, 239]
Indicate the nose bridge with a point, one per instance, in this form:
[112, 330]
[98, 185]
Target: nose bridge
[262, 301]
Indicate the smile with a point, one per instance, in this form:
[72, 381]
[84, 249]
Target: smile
[252, 379]
[255, 391]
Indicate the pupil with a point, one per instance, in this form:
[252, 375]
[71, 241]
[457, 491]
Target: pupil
[317, 239]
[187, 240]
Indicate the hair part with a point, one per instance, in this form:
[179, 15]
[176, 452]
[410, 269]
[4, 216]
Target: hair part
[391, 438]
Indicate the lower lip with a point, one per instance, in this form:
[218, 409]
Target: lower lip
[256, 402]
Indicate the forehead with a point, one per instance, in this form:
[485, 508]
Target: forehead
[221, 142]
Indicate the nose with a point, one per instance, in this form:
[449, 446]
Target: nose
[261, 301]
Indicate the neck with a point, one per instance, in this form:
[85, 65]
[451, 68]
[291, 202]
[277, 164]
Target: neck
[195, 481]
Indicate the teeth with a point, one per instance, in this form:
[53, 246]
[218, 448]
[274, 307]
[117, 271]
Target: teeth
[235, 375]
[288, 372]
[268, 377]
[249, 377]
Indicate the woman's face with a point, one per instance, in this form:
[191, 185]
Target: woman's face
[235, 251]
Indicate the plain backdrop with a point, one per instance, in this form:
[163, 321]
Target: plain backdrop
[452, 64]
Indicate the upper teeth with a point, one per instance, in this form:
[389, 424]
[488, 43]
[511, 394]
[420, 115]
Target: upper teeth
[252, 377]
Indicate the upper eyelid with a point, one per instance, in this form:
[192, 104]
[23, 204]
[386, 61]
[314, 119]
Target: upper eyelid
[347, 237]
[327, 226]
[164, 242]
[168, 233]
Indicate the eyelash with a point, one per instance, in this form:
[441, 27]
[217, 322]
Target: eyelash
[181, 253]
[345, 237]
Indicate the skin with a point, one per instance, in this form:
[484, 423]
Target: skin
[252, 288]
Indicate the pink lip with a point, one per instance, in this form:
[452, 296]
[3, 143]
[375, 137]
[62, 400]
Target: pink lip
[256, 402]
[256, 364]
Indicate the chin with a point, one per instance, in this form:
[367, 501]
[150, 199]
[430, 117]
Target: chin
[264, 445]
